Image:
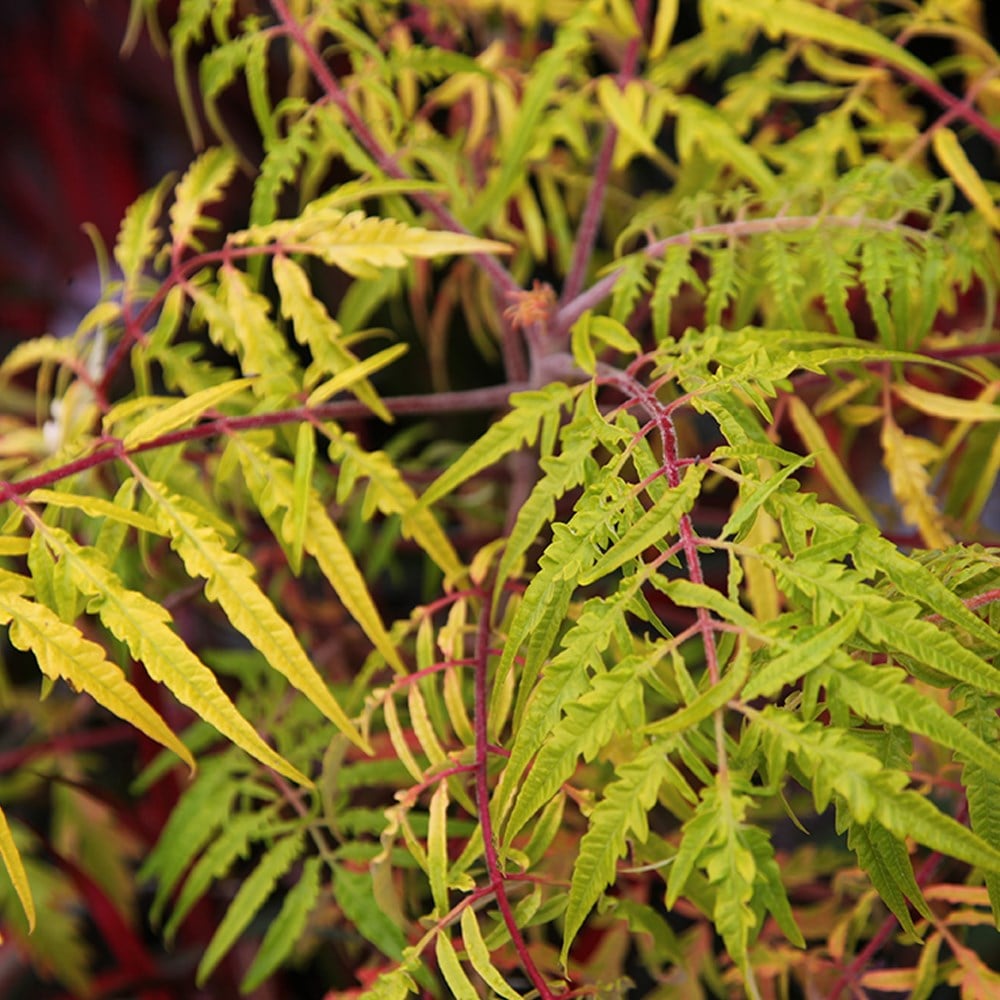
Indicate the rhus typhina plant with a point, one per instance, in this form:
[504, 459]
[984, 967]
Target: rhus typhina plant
[634, 634]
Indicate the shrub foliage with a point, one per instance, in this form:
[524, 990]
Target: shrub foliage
[683, 669]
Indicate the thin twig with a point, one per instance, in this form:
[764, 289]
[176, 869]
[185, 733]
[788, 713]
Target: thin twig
[471, 400]
[586, 235]
[497, 877]
[592, 297]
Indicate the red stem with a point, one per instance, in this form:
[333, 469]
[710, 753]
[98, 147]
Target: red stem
[497, 877]
[586, 235]
[489, 398]
[501, 278]
[959, 106]
[11, 760]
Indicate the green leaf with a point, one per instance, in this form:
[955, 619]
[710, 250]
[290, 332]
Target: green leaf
[838, 761]
[811, 648]
[204, 808]
[250, 897]
[708, 702]
[232, 842]
[354, 894]
[892, 625]
[882, 694]
[565, 678]
[732, 870]
[620, 813]
[286, 929]
[591, 721]
[887, 863]
[561, 473]
[515, 430]
[659, 523]
[769, 887]
[675, 271]
[875, 554]
[982, 785]
[757, 497]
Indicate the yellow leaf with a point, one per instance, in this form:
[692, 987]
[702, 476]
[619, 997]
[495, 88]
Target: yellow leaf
[359, 371]
[15, 869]
[890, 980]
[95, 507]
[143, 625]
[270, 481]
[953, 158]
[359, 244]
[202, 184]
[905, 460]
[230, 583]
[298, 513]
[625, 113]
[933, 403]
[803, 19]
[398, 738]
[836, 475]
[437, 848]
[182, 412]
[315, 328]
[62, 651]
[479, 956]
[38, 350]
[451, 968]
[663, 27]
[393, 495]
[699, 124]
